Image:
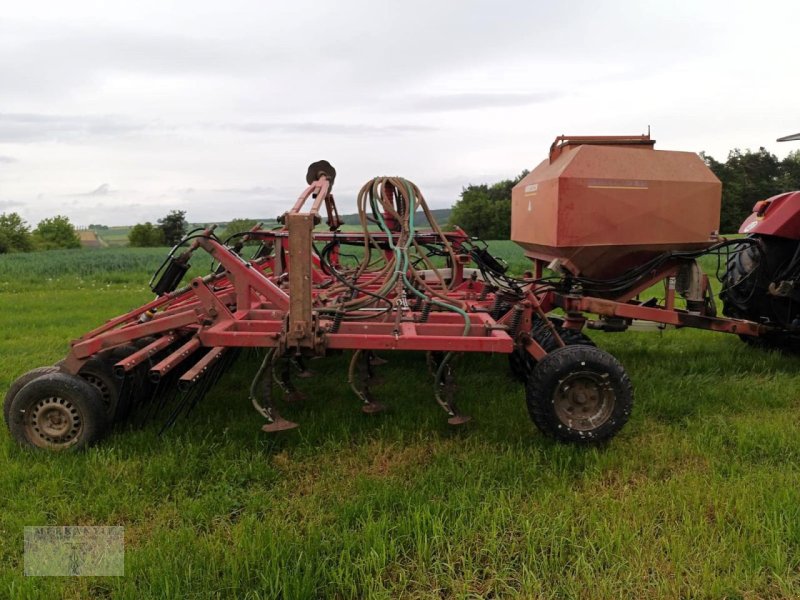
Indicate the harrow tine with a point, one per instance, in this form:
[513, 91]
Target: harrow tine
[444, 387]
[283, 377]
[360, 372]
[299, 363]
[266, 408]
[375, 360]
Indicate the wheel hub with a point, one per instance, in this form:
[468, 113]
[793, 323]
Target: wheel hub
[584, 400]
[54, 422]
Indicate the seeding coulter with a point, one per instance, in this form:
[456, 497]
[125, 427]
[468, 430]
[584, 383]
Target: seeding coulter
[603, 220]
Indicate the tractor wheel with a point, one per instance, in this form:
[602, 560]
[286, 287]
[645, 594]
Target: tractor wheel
[58, 411]
[579, 394]
[745, 291]
[521, 362]
[19, 383]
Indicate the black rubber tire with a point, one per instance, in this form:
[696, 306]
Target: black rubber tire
[745, 295]
[581, 363]
[64, 392]
[98, 372]
[21, 382]
[521, 362]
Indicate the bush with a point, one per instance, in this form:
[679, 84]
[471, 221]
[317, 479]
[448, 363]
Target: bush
[56, 232]
[238, 226]
[146, 235]
[15, 236]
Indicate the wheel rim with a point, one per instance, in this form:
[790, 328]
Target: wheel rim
[54, 423]
[584, 400]
[106, 395]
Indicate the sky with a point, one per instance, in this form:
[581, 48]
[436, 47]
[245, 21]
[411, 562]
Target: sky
[117, 112]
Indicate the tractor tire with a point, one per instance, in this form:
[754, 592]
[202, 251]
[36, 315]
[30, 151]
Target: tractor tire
[58, 411]
[745, 292]
[19, 383]
[579, 394]
[521, 363]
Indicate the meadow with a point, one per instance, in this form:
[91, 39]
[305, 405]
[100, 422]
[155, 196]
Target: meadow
[698, 497]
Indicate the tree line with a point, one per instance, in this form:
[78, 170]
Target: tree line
[747, 176]
[51, 233]
[171, 229]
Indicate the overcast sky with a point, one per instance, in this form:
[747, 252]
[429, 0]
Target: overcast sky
[116, 112]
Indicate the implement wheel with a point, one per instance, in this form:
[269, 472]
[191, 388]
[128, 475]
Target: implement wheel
[521, 362]
[58, 411]
[579, 394]
[97, 373]
[19, 383]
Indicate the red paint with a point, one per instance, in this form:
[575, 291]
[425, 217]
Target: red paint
[778, 216]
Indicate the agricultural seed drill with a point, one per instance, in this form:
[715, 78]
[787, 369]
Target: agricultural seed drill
[603, 219]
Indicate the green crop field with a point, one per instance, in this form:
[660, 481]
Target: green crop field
[698, 497]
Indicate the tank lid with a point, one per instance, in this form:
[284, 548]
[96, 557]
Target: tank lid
[566, 141]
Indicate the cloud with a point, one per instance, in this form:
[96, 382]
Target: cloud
[476, 100]
[4, 204]
[300, 128]
[248, 191]
[32, 127]
[7, 159]
[103, 189]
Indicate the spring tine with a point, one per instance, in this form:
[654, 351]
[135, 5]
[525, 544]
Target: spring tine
[303, 370]
[358, 375]
[262, 382]
[444, 389]
[284, 380]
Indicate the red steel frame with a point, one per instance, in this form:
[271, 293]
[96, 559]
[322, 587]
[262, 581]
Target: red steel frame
[273, 302]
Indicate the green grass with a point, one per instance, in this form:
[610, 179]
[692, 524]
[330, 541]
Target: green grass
[698, 497]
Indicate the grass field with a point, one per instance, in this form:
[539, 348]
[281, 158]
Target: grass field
[698, 497]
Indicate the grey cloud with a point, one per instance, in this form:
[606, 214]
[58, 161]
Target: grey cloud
[30, 127]
[102, 190]
[469, 101]
[7, 159]
[4, 204]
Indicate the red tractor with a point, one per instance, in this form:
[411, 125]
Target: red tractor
[762, 280]
[603, 220]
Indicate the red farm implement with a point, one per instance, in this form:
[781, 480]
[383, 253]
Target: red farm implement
[603, 219]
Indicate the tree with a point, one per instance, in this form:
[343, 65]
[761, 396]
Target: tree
[239, 225]
[55, 232]
[15, 236]
[174, 226]
[748, 177]
[146, 235]
[484, 211]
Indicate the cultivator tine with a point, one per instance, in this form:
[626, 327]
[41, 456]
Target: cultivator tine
[358, 376]
[283, 378]
[262, 385]
[300, 364]
[375, 360]
[444, 386]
